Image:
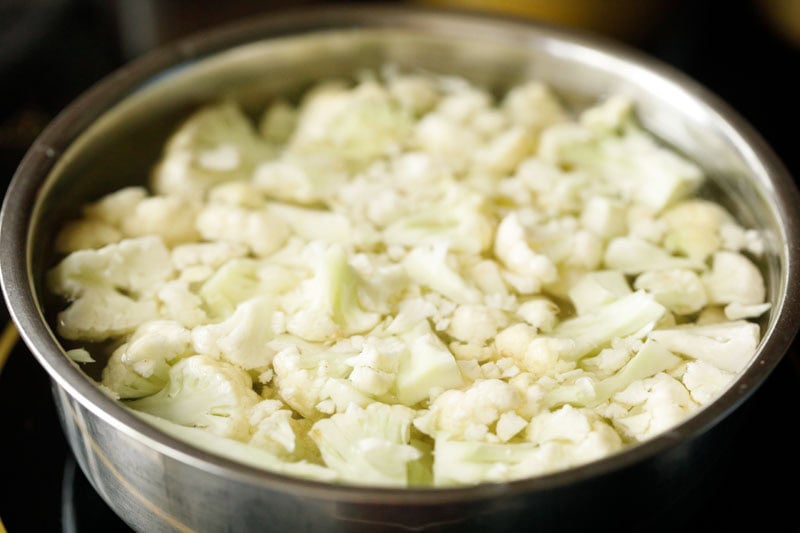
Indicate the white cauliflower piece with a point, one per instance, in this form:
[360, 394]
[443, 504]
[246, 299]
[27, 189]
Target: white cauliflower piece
[460, 463]
[242, 338]
[327, 306]
[216, 144]
[502, 155]
[241, 452]
[734, 278]
[605, 217]
[475, 324]
[301, 376]
[462, 227]
[180, 303]
[630, 160]
[727, 345]
[368, 446]
[211, 254]
[205, 393]
[140, 367]
[533, 106]
[375, 367]
[598, 288]
[636, 312]
[469, 414]
[693, 228]
[429, 267]
[170, 217]
[86, 233]
[132, 265]
[260, 231]
[541, 313]
[737, 311]
[278, 121]
[632, 255]
[425, 366]
[115, 208]
[679, 290]
[109, 288]
[511, 247]
[656, 405]
[705, 381]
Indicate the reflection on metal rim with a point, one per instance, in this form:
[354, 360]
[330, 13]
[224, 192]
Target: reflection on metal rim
[132, 490]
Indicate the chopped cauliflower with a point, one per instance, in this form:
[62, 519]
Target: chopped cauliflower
[409, 280]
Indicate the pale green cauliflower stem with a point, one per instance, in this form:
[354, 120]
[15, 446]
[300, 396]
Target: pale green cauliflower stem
[405, 282]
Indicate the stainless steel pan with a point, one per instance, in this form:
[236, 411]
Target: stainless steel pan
[111, 136]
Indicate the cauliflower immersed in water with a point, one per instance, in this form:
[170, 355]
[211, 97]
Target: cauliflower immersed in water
[408, 282]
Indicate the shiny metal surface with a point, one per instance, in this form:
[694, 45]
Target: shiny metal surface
[111, 136]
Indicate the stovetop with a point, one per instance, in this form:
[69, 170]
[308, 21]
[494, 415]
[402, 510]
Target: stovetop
[68, 44]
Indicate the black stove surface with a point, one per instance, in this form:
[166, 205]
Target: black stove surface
[727, 46]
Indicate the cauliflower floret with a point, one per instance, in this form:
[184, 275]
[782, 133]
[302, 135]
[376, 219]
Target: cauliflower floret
[693, 228]
[475, 324]
[540, 313]
[368, 446]
[304, 178]
[429, 267]
[734, 278]
[217, 143]
[170, 217]
[469, 414]
[534, 106]
[115, 208]
[459, 462]
[278, 121]
[134, 266]
[261, 232]
[212, 254]
[727, 345]
[679, 290]
[737, 311]
[242, 338]
[635, 313]
[598, 288]
[462, 227]
[565, 424]
[656, 404]
[425, 366]
[631, 255]
[375, 367]
[140, 367]
[205, 393]
[530, 270]
[630, 160]
[110, 288]
[180, 303]
[327, 306]
[605, 217]
[86, 233]
[415, 94]
[502, 155]
[301, 376]
[705, 381]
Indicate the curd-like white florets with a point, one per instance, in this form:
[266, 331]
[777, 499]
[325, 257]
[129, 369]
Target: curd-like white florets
[404, 282]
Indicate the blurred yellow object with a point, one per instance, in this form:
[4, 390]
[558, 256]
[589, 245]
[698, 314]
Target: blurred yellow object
[2, 527]
[624, 19]
[8, 340]
[784, 16]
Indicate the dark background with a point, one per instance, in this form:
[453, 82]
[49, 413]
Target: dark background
[52, 50]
